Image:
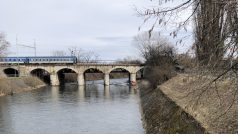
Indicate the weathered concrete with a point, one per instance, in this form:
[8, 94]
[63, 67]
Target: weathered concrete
[53, 69]
[81, 79]
[54, 80]
[106, 79]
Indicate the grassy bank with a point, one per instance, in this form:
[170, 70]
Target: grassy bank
[161, 115]
[19, 84]
[214, 105]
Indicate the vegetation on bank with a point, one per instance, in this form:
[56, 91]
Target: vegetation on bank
[162, 115]
[9, 86]
[213, 105]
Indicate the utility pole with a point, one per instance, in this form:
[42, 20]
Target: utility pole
[28, 46]
[17, 57]
[35, 46]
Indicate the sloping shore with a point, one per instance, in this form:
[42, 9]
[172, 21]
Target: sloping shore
[214, 104]
[9, 86]
[161, 115]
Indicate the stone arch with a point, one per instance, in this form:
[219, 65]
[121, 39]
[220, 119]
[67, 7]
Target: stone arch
[42, 74]
[11, 72]
[39, 68]
[140, 73]
[58, 69]
[91, 74]
[119, 73]
[92, 68]
[128, 70]
[67, 75]
[140, 68]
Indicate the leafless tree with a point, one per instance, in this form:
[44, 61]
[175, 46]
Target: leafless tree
[129, 60]
[214, 21]
[82, 55]
[90, 56]
[4, 44]
[215, 24]
[159, 57]
[154, 48]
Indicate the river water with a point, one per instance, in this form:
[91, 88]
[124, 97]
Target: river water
[72, 109]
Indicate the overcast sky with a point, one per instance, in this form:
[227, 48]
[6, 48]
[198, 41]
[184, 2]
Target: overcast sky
[106, 27]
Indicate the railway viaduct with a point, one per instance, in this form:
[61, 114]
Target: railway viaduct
[80, 69]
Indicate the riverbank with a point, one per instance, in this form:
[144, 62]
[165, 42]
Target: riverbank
[12, 85]
[161, 115]
[213, 104]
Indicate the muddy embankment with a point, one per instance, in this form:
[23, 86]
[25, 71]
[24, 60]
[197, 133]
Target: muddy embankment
[9, 86]
[161, 115]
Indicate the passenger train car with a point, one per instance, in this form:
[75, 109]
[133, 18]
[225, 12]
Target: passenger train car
[38, 60]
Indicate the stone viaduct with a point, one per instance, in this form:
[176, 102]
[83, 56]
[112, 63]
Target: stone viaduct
[79, 69]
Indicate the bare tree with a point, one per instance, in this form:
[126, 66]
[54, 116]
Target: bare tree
[154, 48]
[215, 24]
[159, 57]
[216, 43]
[4, 44]
[83, 56]
[129, 60]
[90, 56]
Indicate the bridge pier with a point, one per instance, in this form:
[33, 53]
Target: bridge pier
[133, 78]
[81, 80]
[106, 79]
[54, 80]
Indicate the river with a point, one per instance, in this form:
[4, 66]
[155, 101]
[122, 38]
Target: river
[72, 109]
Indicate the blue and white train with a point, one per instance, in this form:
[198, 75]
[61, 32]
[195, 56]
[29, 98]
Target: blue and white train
[38, 60]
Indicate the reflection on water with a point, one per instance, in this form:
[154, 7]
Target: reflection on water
[72, 109]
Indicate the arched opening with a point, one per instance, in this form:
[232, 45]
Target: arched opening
[67, 75]
[93, 74]
[140, 74]
[119, 75]
[41, 74]
[11, 72]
